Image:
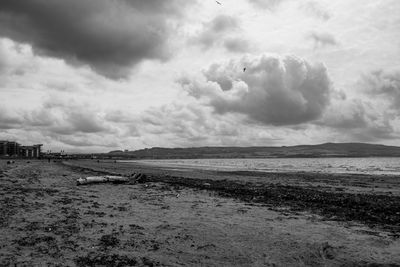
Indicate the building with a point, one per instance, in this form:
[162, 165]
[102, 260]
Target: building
[30, 151]
[3, 148]
[8, 148]
[14, 149]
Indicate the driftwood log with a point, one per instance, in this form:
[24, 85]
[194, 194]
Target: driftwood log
[102, 179]
[133, 179]
[139, 177]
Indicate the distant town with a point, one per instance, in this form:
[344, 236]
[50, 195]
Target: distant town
[12, 149]
[16, 150]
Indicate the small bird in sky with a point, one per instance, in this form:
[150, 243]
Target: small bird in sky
[218, 3]
[244, 69]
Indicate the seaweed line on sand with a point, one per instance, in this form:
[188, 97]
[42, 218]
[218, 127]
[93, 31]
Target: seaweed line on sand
[380, 211]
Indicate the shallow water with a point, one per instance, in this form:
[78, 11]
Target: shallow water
[372, 165]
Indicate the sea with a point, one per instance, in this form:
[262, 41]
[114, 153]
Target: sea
[369, 165]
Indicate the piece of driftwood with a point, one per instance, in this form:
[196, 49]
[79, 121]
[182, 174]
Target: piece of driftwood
[139, 178]
[102, 179]
[132, 179]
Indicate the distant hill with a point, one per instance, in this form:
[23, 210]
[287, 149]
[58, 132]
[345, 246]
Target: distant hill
[305, 151]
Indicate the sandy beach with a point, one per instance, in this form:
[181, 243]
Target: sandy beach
[195, 218]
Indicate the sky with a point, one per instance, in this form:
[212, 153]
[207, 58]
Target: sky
[102, 75]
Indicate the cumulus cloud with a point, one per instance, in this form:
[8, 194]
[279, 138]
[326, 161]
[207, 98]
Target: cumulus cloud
[63, 117]
[314, 8]
[238, 45]
[222, 30]
[272, 90]
[269, 4]
[360, 119]
[374, 116]
[15, 59]
[80, 140]
[346, 115]
[188, 123]
[322, 39]
[376, 129]
[62, 123]
[378, 132]
[383, 84]
[110, 36]
[8, 120]
[69, 118]
[118, 116]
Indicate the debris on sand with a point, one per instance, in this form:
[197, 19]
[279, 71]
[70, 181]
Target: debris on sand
[327, 251]
[372, 210]
[102, 179]
[139, 178]
[133, 179]
[94, 259]
[109, 241]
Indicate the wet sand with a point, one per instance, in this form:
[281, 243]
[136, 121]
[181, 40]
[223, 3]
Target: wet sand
[195, 218]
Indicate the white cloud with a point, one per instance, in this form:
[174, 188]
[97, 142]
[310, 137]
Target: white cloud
[316, 9]
[383, 84]
[224, 31]
[54, 92]
[322, 39]
[268, 89]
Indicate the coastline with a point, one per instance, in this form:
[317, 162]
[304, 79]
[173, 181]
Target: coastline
[181, 218]
[368, 199]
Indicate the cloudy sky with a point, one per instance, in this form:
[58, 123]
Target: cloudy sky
[100, 75]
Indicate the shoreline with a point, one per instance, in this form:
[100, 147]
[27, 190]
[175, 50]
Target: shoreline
[163, 163]
[187, 219]
[375, 210]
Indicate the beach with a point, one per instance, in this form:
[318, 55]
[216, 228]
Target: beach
[183, 217]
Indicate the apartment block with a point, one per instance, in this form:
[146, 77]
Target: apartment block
[14, 149]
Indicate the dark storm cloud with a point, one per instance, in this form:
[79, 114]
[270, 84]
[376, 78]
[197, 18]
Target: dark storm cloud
[214, 31]
[272, 90]
[110, 36]
[322, 39]
[384, 84]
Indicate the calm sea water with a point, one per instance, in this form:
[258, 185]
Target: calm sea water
[378, 166]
